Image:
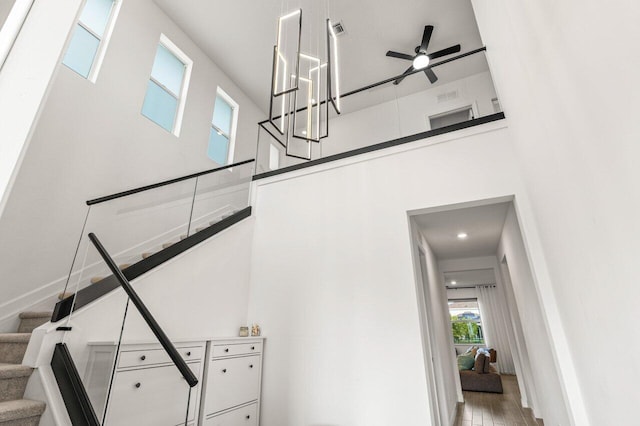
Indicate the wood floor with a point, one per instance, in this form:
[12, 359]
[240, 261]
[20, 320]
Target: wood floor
[493, 409]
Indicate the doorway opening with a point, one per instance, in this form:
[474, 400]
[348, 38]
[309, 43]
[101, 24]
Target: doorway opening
[478, 301]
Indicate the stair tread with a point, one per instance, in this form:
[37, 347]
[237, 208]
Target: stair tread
[20, 409]
[35, 314]
[15, 337]
[10, 371]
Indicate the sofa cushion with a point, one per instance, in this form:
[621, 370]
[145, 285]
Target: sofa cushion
[478, 365]
[465, 362]
[487, 364]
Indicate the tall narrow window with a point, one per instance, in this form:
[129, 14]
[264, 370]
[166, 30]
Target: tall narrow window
[166, 90]
[222, 132]
[88, 43]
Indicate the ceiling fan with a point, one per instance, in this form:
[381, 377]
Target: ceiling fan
[422, 58]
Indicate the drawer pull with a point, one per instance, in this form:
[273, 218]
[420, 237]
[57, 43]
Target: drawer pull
[250, 365]
[248, 416]
[253, 348]
[226, 349]
[143, 357]
[137, 385]
[189, 353]
[224, 370]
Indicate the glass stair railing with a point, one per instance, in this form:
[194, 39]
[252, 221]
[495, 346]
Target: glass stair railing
[146, 226]
[116, 364]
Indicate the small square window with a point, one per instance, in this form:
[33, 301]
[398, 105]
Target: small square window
[88, 43]
[450, 117]
[222, 131]
[166, 89]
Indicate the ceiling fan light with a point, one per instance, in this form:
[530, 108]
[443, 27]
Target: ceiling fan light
[421, 61]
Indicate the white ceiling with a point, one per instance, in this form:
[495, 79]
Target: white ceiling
[483, 225]
[238, 35]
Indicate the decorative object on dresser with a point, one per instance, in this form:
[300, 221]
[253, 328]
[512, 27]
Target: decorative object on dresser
[232, 382]
[255, 330]
[244, 331]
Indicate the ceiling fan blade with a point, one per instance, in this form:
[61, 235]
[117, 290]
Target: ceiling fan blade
[399, 55]
[444, 52]
[426, 37]
[431, 75]
[404, 74]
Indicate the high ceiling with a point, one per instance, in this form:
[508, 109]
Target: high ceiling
[238, 35]
[482, 224]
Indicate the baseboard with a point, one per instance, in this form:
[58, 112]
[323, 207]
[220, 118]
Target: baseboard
[454, 414]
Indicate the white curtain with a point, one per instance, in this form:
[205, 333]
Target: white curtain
[495, 321]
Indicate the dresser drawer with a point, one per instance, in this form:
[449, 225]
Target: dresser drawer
[236, 349]
[232, 382]
[153, 396]
[243, 416]
[191, 353]
[144, 357]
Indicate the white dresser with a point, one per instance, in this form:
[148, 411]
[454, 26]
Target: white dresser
[148, 389]
[232, 382]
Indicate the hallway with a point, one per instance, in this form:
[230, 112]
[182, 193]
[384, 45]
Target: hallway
[491, 409]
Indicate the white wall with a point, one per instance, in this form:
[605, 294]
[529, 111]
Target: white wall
[539, 353]
[438, 323]
[91, 140]
[332, 276]
[392, 119]
[576, 138]
[407, 115]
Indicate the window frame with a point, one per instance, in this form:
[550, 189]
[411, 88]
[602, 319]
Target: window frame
[103, 41]
[452, 108]
[480, 322]
[234, 123]
[181, 97]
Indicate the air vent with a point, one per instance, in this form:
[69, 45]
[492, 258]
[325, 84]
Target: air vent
[339, 29]
[444, 97]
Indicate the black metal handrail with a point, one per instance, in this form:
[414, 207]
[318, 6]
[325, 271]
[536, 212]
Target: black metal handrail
[164, 183]
[186, 372]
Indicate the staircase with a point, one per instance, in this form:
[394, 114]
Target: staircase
[14, 409]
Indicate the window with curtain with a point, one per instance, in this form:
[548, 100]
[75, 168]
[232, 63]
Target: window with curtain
[166, 87]
[466, 322]
[89, 37]
[222, 129]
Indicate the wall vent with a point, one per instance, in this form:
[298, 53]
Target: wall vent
[444, 97]
[339, 28]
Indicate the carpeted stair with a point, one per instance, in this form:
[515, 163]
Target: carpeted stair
[14, 409]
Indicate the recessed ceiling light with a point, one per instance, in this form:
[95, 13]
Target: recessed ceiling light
[454, 282]
[462, 235]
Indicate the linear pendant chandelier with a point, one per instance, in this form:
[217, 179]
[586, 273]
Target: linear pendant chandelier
[303, 85]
